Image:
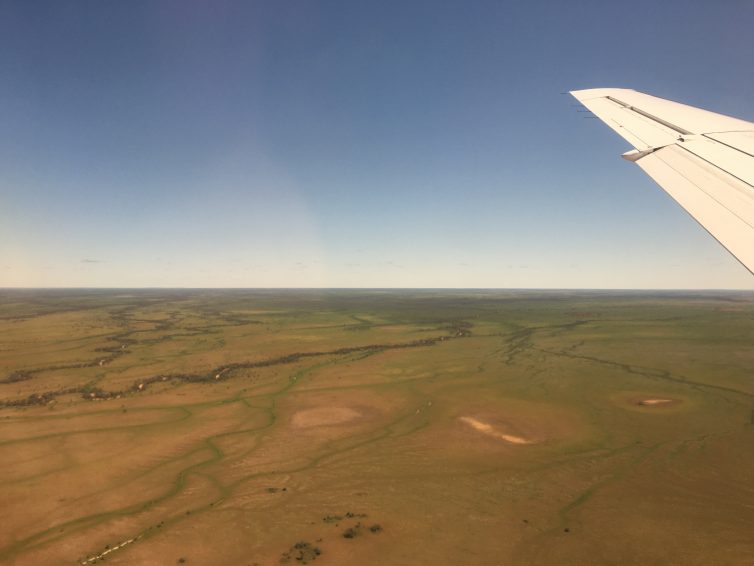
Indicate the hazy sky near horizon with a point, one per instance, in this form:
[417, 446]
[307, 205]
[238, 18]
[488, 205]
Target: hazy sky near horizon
[351, 144]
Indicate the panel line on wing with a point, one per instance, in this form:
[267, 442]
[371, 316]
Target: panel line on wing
[650, 116]
[640, 131]
[712, 196]
[728, 229]
[710, 135]
[716, 166]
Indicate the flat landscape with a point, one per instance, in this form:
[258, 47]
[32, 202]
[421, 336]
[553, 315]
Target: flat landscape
[376, 427]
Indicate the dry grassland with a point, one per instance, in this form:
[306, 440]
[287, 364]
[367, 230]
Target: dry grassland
[257, 427]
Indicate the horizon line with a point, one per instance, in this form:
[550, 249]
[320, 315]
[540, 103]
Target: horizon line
[169, 288]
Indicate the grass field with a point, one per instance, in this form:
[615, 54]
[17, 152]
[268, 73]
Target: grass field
[373, 427]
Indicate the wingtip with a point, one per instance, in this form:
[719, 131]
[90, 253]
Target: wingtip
[589, 93]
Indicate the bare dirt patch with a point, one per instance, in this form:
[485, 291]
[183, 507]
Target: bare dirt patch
[652, 401]
[656, 402]
[506, 424]
[493, 431]
[324, 416]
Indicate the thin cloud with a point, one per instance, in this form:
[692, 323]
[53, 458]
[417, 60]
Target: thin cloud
[89, 260]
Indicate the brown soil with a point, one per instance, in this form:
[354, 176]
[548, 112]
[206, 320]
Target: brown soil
[324, 416]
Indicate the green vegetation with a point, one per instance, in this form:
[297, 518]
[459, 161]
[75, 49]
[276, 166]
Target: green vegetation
[470, 427]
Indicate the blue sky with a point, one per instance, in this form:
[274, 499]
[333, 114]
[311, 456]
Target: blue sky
[351, 144]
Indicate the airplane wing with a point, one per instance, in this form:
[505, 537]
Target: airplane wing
[705, 161]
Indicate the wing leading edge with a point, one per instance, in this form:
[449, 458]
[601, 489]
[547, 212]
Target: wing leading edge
[705, 161]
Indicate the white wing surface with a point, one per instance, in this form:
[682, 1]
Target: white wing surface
[705, 161]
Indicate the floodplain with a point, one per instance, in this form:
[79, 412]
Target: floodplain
[252, 427]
